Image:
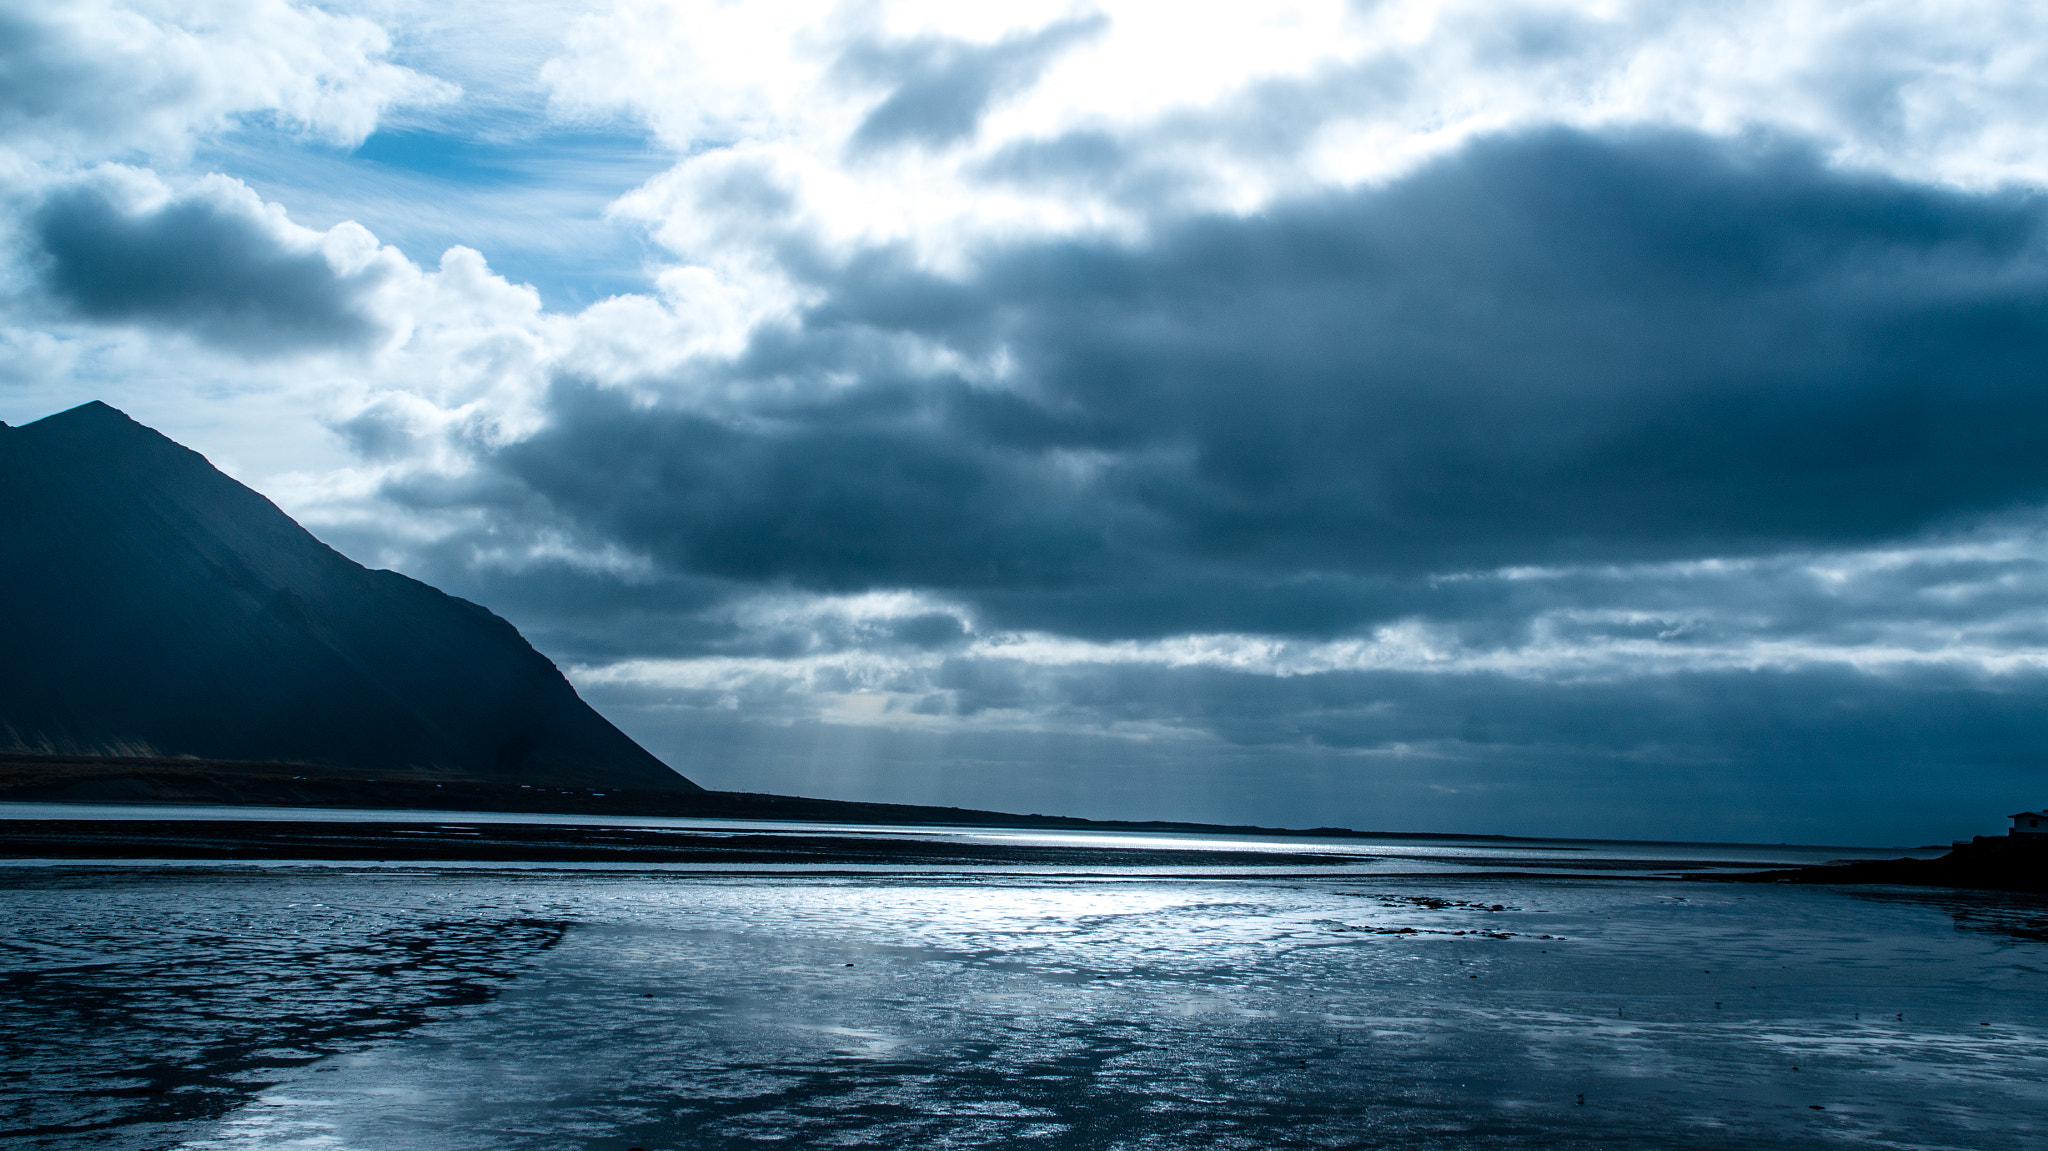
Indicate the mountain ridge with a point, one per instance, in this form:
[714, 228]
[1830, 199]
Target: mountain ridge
[155, 606]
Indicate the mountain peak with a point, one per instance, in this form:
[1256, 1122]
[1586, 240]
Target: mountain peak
[101, 429]
[92, 413]
[92, 408]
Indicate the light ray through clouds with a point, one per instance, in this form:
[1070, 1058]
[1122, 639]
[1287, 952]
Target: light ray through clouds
[1598, 418]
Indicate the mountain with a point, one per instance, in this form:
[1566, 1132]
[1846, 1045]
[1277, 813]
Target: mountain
[151, 606]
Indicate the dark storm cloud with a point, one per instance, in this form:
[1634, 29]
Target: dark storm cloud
[213, 267]
[1697, 721]
[1548, 348]
[849, 491]
[1679, 616]
[942, 87]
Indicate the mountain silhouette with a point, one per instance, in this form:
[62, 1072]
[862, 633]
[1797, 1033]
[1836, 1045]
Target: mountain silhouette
[152, 606]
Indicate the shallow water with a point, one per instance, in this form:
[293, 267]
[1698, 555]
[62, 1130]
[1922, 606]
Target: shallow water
[470, 1008]
[1360, 855]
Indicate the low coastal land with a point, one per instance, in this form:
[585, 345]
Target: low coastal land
[266, 840]
[106, 779]
[1986, 863]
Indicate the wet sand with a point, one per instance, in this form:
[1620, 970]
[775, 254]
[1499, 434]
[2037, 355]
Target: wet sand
[239, 1006]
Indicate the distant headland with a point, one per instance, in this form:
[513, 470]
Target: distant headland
[2012, 862]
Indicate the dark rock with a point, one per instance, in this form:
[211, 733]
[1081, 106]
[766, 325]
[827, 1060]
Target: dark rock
[1990, 863]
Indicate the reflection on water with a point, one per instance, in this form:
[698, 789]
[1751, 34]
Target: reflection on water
[1355, 854]
[1997, 913]
[467, 1008]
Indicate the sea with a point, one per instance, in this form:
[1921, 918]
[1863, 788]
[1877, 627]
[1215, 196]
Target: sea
[1428, 993]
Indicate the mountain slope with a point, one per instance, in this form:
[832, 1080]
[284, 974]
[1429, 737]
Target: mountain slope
[150, 605]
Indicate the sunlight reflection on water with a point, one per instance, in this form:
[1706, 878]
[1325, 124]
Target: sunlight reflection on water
[441, 1008]
[1359, 854]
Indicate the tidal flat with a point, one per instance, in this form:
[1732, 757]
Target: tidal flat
[348, 1005]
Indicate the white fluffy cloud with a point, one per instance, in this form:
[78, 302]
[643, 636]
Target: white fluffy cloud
[103, 79]
[1230, 106]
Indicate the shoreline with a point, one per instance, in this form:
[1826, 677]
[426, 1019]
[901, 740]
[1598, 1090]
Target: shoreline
[450, 839]
[455, 842]
[134, 780]
[29, 778]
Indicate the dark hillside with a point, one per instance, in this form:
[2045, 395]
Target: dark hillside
[1988, 862]
[150, 605]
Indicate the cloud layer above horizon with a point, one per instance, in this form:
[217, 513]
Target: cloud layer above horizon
[1617, 419]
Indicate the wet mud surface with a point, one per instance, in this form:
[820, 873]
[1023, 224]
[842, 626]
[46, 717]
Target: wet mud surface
[230, 1007]
[140, 1010]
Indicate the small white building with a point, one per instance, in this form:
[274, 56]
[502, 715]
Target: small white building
[2030, 823]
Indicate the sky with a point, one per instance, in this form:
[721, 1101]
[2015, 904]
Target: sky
[1611, 418]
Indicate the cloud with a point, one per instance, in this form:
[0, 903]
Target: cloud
[1769, 699]
[1549, 347]
[1338, 407]
[93, 79]
[215, 262]
[1822, 754]
[942, 87]
[1158, 109]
